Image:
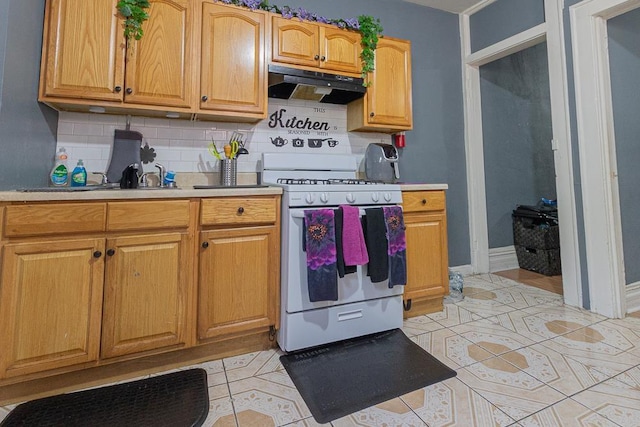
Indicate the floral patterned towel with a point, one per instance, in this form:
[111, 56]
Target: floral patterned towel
[397, 248]
[320, 242]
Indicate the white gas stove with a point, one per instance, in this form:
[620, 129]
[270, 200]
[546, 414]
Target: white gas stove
[326, 181]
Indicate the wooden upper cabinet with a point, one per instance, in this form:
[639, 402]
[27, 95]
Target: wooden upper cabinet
[159, 68]
[341, 50]
[232, 68]
[83, 50]
[387, 105]
[315, 45]
[295, 42]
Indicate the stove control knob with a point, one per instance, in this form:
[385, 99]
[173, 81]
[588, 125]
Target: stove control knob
[351, 198]
[387, 197]
[310, 198]
[375, 197]
[324, 198]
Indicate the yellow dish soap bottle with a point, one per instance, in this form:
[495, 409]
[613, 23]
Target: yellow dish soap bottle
[60, 173]
[79, 175]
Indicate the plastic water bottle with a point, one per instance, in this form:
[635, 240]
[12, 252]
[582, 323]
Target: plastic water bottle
[170, 179]
[456, 285]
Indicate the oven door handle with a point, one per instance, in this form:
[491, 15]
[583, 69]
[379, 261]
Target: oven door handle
[361, 212]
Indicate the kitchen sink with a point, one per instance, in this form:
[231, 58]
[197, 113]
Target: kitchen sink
[69, 189]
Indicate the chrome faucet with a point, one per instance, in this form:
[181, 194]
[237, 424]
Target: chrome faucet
[161, 173]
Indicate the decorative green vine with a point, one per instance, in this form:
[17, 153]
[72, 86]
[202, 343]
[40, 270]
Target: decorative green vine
[134, 12]
[370, 29]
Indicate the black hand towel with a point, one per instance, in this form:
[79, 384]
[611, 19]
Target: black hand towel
[342, 269]
[376, 240]
[320, 236]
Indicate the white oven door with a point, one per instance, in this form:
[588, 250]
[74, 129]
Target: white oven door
[353, 287]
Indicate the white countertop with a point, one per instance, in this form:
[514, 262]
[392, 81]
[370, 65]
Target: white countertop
[180, 193]
[423, 187]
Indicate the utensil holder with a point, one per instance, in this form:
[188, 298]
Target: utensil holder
[228, 172]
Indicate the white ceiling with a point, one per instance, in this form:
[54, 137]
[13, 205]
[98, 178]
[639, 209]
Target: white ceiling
[455, 6]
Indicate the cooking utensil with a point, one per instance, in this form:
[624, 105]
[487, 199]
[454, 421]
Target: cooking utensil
[231, 150]
[213, 150]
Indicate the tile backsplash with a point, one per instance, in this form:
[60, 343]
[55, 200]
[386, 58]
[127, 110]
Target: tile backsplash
[182, 146]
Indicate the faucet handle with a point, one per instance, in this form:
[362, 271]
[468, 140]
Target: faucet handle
[144, 182]
[103, 179]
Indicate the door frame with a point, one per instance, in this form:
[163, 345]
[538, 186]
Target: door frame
[551, 31]
[596, 142]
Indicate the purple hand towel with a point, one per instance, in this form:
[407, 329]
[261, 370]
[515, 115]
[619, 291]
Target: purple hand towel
[320, 242]
[397, 248]
[353, 246]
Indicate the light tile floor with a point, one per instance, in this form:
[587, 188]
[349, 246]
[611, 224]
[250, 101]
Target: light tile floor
[522, 357]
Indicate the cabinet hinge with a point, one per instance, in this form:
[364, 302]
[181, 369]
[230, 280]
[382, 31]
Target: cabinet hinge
[272, 332]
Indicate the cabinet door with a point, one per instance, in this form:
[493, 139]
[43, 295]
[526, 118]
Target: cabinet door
[239, 281]
[50, 305]
[145, 296]
[340, 50]
[295, 42]
[389, 94]
[83, 55]
[160, 65]
[427, 260]
[233, 60]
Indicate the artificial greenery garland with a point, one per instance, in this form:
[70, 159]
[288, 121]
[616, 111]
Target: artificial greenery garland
[134, 12]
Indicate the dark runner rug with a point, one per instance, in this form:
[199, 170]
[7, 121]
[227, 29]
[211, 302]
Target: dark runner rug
[338, 379]
[173, 400]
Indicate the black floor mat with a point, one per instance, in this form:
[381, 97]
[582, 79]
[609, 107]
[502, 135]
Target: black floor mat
[177, 399]
[341, 378]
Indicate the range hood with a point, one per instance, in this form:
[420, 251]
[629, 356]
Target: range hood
[291, 83]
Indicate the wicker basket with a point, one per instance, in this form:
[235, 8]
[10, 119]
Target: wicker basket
[536, 236]
[543, 261]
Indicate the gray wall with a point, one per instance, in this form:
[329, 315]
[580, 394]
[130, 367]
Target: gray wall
[516, 122]
[27, 129]
[503, 19]
[435, 148]
[4, 19]
[624, 57]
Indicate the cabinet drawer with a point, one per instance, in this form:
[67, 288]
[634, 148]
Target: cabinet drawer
[422, 201]
[238, 211]
[148, 215]
[54, 218]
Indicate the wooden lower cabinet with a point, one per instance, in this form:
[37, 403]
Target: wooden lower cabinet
[239, 281]
[145, 296]
[427, 259]
[50, 304]
[86, 284]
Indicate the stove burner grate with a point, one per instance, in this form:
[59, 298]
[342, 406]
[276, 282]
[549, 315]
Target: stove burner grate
[333, 181]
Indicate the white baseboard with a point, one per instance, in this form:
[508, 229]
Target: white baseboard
[633, 297]
[465, 270]
[501, 259]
